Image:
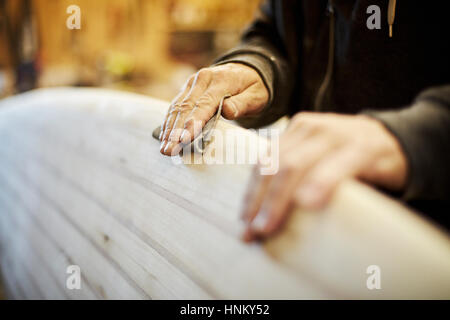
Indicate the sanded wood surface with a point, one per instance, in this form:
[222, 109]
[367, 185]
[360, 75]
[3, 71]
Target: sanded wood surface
[82, 183]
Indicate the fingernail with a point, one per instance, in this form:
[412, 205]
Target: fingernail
[176, 149]
[260, 221]
[172, 149]
[247, 236]
[168, 147]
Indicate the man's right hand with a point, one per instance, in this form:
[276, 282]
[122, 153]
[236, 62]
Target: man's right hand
[199, 100]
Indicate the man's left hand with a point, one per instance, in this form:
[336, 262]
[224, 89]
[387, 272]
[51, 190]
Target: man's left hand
[317, 152]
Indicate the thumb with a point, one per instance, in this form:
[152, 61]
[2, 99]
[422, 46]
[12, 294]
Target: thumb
[247, 102]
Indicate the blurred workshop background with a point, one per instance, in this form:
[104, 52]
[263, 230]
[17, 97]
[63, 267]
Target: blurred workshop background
[145, 46]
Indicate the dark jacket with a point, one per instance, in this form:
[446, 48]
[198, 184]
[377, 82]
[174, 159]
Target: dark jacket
[404, 81]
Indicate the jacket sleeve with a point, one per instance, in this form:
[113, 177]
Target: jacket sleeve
[262, 48]
[423, 130]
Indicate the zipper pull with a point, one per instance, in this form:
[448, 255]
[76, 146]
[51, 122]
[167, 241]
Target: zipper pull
[330, 8]
[391, 15]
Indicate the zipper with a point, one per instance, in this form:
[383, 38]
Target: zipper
[327, 79]
[391, 15]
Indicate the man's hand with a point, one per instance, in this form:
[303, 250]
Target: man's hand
[199, 99]
[317, 152]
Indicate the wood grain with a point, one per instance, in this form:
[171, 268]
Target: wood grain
[82, 182]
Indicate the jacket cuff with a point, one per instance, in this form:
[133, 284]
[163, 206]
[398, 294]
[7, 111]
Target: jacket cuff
[422, 132]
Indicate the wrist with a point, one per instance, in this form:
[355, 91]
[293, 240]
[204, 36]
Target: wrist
[390, 168]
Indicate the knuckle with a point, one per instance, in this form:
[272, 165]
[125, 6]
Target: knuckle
[223, 68]
[307, 120]
[194, 122]
[221, 75]
[206, 99]
[173, 109]
[300, 117]
[297, 119]
[173, 114]
[185, 106]
[203, 73]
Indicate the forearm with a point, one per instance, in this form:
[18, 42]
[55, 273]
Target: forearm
[423, 130]
[262, 49]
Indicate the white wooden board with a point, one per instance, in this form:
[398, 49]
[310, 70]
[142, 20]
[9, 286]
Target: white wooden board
[82, 183]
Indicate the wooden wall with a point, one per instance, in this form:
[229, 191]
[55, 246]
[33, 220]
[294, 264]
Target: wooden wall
[136, 31]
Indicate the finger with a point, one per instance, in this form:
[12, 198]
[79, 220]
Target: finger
[168, 124]
[276, 206]
[318, 186]
[257, 187]
[300, 128]
[271, 213]
[172, 149]
[175, 122]
[199, 85]
[256, 192]
[173, 139]
[247, 102]
[166, 119]
[204, 109]
[291, 141]
[180, 96]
